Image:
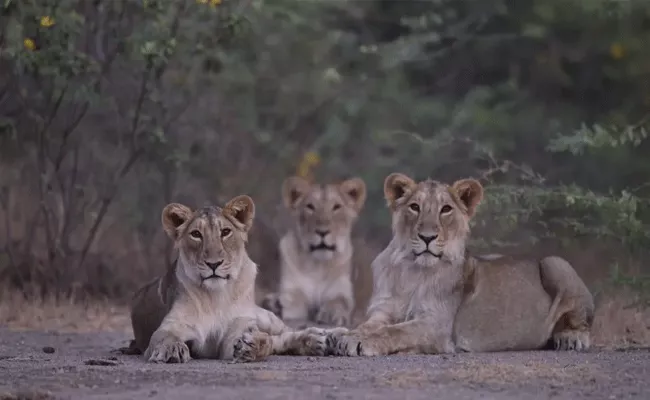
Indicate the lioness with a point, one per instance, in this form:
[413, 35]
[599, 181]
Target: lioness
[316, 255]
[204, 306]
[431, 296]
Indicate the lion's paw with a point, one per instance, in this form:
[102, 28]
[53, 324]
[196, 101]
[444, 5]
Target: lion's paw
[168, 351]
[350, 344]
[245, 348]
[572, 340]
[332, 342]
[347, 345]
[313, 342]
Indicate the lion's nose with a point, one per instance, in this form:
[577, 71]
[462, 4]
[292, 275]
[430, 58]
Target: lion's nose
[214, 266]
[322, 233]
[427, 239]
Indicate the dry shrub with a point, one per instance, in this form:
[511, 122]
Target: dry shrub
[619, 324]
[117, 262]
[21, 312]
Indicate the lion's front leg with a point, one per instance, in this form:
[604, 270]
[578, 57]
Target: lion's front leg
[336, 335]
[417, 336]
[252, 345]
[307, 342]
[335, 312]
[268, 335]
[255, 345]
[337, 303]
[289, 304]
[235, 332]
[168, 342]
[310, 341]
[167, 347]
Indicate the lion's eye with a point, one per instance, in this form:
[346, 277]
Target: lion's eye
[414, 207]
[310, 207]
[196, 234]
[225, 232]
[336, 207]
[445, 209]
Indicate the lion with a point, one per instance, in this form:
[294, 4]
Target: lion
[204, 306]
[316, 255]
[431, 296]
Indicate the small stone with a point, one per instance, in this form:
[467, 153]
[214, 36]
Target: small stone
[48, 349]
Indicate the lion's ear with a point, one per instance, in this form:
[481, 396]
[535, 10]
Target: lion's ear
[241, 212]
[173, 216]
[396, 187]
[470, 193]
[354, 191]
[293, 190]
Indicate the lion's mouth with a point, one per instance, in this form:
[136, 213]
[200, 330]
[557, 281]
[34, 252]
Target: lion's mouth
[321, 246]
[427, 251]
[215, 276]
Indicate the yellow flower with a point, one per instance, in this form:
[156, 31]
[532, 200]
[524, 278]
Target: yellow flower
[309, 160]
[617, 51]
[47, 21]
[312, 158]
[29, 44]
[215, 2]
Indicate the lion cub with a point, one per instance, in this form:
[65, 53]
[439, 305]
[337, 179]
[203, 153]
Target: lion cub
[204, 305]
[431, 296]
[316, 255]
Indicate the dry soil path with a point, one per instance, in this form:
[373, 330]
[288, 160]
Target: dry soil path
[46, 365]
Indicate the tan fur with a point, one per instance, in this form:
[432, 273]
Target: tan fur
[316, 255]
[204, 306]
[446, 300]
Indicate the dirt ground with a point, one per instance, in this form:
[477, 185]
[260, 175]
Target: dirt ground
[49, 365]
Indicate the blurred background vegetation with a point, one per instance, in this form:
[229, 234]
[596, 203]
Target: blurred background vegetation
[109, 109]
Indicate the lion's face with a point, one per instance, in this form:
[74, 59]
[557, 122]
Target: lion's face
[324, 214]
[431, 219]
[211, 241]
